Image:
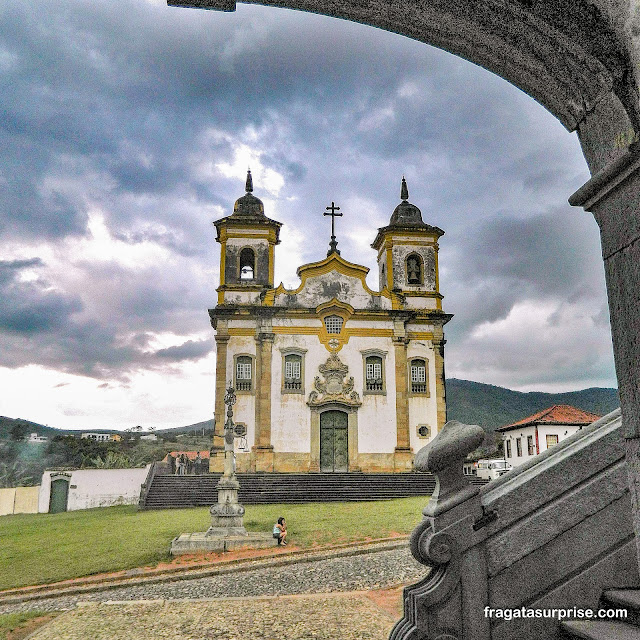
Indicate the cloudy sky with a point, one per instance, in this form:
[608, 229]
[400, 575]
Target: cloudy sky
[127, 128]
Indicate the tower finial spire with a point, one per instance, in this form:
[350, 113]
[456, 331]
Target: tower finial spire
[249, 186]
[404, 192]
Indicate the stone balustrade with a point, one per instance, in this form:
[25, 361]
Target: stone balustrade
[511, 543]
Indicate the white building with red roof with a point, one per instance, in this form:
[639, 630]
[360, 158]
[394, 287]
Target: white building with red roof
[531, 436]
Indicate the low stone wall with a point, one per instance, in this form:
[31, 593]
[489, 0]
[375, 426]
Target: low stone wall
[19, 500]
[89, 488]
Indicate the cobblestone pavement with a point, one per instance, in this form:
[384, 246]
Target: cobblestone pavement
[374, 570]
[333, 617]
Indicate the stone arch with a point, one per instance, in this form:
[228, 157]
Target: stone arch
[247, 264]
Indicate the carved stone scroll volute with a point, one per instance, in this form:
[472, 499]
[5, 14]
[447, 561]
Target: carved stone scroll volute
[444, 458]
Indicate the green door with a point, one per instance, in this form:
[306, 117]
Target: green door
[59, 494]
[334, 450]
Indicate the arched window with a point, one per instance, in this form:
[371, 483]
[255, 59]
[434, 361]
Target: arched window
[415, 270]
[333, 324]
[418, 376]
[247, 264]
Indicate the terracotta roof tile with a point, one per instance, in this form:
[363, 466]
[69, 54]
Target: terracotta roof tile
[558, 414]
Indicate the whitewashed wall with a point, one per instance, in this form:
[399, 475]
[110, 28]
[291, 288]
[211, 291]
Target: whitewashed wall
[89, 488]
[244, 409]
[562, 431]
[290, 415]
[423, 410]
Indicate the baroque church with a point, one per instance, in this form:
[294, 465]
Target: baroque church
[330, 376]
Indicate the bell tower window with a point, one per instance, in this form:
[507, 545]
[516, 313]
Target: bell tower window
[247, 264]
[415, 269]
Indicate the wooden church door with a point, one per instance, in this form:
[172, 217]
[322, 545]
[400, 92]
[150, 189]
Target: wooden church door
[334, 451]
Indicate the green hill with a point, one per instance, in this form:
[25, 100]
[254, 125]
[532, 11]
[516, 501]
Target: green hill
[206, 425]
[490, 406]
[469, 402]
[8, 425]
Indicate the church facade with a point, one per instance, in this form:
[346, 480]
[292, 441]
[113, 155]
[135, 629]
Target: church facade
[330, 376]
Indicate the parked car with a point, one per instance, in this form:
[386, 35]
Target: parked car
[492, 469]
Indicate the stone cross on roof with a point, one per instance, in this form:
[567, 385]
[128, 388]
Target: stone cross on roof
[331, 211]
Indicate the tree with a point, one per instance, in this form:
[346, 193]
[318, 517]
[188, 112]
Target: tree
[18, 431]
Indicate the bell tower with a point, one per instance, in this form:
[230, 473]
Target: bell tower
[247, 255]
[408, 256]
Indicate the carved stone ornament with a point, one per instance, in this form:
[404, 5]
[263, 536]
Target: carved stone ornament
[228, 509]
[333, 388]
[444, 457]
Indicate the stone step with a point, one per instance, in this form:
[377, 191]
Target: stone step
[260, 488]
[628, 599]
[600, 630]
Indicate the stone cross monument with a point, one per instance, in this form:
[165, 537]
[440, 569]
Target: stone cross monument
[227, 531]
[226, 515]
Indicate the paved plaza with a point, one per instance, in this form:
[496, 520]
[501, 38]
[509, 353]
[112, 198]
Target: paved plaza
[311, 617]
[308, 597]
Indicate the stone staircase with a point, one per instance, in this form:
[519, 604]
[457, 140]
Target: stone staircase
[554, 533]
[170, 491]
[615, 629]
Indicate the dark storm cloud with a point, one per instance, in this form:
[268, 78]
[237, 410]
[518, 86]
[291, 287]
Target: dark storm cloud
[128, 111]
[29, 307]
[502, 260]
[43, 326]
[189, 350]
[170, 239]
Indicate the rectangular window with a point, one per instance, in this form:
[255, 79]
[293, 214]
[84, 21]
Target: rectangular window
[374, 371]
[418, 373]
[530, 447]
[373, 374]
[292, 373]
[292, 369]
[551, 440]
[508, 447]
[243, 373]
[418, 376]
[519, 446]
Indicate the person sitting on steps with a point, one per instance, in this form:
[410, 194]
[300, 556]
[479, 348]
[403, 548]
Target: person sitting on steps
[280, 531]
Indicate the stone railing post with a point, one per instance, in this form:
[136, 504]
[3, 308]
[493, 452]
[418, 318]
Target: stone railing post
[449, 603]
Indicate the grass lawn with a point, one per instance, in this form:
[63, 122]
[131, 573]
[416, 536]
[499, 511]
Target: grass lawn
[20, 625]
[45, 547]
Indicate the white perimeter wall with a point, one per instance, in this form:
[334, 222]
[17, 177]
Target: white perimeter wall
[562, 431]
[96, 488]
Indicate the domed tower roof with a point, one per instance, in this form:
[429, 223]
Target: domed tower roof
[405, 212]
[248, 205]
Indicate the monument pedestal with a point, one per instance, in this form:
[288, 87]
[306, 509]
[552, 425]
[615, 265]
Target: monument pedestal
[227, 531]
[204, 543]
